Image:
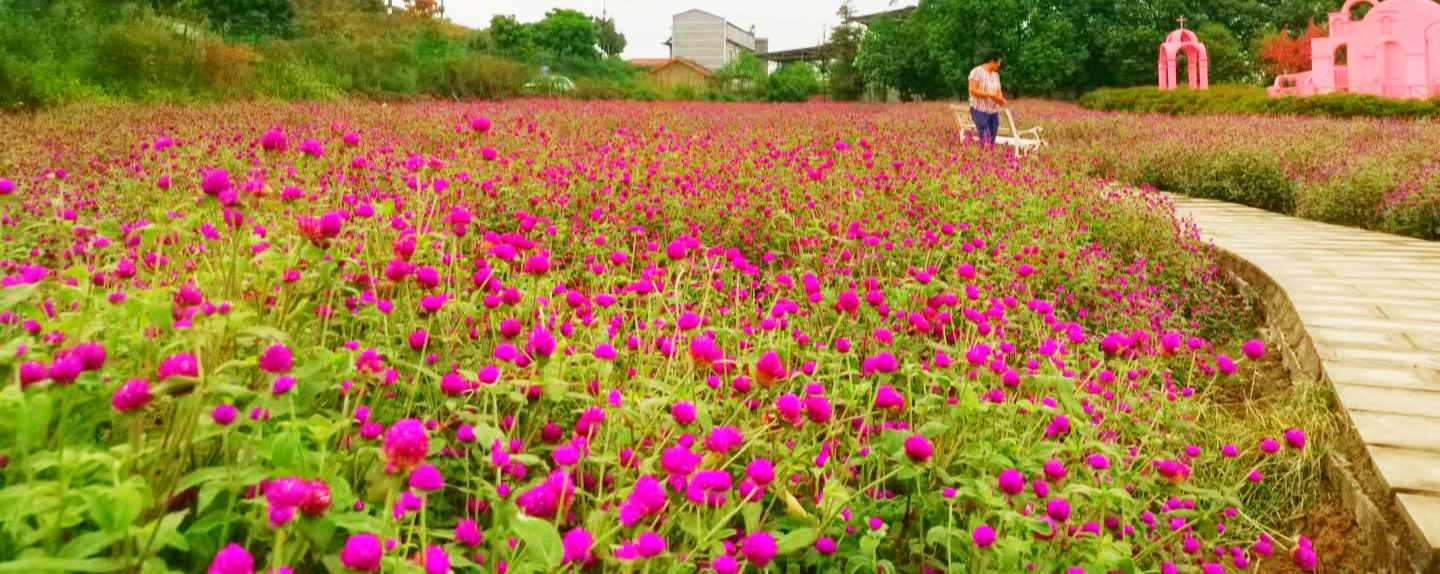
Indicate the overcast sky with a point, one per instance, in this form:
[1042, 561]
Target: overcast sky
[646, 23]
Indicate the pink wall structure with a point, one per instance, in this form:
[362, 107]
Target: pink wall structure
[1183, 41]
[1394, 51]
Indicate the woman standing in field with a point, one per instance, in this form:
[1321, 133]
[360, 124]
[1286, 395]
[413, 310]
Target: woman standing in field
[986, 98]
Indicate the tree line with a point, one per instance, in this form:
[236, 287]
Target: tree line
[1067, 47]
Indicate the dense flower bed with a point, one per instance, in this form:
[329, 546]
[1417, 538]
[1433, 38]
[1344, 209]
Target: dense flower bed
[542, 336]
[1380, 174]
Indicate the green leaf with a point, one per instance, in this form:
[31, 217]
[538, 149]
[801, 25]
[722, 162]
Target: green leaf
[541, 538]
[118, 507]
[86, 565]
[201, 476]
[797, 540]
[357, 522]
[265, 333]
[285, 451]
[33, 421]
[934, 429]
[938, 536]
[14, 295]
[88, 544]
[167, 532]
[752, 516]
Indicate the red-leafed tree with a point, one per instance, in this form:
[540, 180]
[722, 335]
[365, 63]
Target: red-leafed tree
[424, 8]
[1282, 53]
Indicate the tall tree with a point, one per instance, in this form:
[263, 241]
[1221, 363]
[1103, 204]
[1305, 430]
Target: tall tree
[424, 8]
[1229, 64]
[894, 55]
[249, 18]
[1281, 53]
[609, 39]
[846, 82]
[566, 34]
[511, 38]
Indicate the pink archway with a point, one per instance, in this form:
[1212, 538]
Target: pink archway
[1392, 50]
[1197, 58]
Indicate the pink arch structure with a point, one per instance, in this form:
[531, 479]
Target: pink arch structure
[1393, 51]
[1183, 41]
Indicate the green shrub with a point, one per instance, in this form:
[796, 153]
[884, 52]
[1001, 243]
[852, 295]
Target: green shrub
[685, 92]
[1253, 100]
[296, 80]
[794, 82]
[1248, 177]
[229, 69]
[1414, 212]
[143, 56]
[477, 77]
[1349, 199]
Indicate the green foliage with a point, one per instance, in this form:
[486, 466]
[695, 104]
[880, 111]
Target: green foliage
[566, 34]
[296, 80]
[1350, 199]
[741, 78]
[1251, 177]
[607, 38]
[1415, 212]
[511, 38]
[605, 89]
[793, 82]
[478, 77]
[1229, 63]
[1065, 47]
[845, 81]
[143, 56]
[890, 58]
[249, 19]
[1252, 100]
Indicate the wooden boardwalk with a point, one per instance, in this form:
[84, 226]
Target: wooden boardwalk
[1360, 310]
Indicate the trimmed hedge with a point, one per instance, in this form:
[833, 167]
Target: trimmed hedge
[1246, 176]
[1253, 101]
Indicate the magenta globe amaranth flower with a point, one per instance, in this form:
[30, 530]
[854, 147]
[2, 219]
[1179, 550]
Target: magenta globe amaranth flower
[276, 359]
[1011, 481]
[983, 536]
[480, 124]
[406, 444]
[232, 559]
[224, 414]
[362, 552]
[918, 448]
[1253, 349]
[427, 478]
[1295, 438]
[215, 182]
[577, 543]
[131, 396]
[436, 561]
[683, 412]
[759, 548]
[725, 564]
[7, 187]
[274, 140]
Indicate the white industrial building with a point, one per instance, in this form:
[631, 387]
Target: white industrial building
[711, 40]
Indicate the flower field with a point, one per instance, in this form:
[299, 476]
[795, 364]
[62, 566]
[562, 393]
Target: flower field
[543, 336]
[1380, 174]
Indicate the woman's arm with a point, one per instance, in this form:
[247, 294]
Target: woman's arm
[977, 91]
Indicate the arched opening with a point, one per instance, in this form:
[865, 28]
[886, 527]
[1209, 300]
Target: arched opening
[1342, 67]
[1182, 68]
[1358, 10]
